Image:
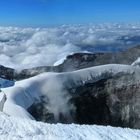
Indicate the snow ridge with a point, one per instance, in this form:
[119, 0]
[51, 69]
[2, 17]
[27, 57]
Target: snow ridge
[26, 92]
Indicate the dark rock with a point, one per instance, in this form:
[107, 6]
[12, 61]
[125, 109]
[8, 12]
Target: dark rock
[75, 62]
[110, 101]
[84, 60]
[6, 73]
[27, 73]
[114, 101]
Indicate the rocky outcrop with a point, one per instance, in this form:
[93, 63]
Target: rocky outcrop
[84, 60]
[114, 101]
[27, 73]
[111, 99]
[75, 62]
[6, 73]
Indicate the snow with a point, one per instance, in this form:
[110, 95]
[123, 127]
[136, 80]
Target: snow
[26, 92]
[12, 128]
[16, 123]
[57, 63]
[136, 63]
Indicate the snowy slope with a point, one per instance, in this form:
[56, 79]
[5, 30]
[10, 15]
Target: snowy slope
[16, 129]
[20, 124]
[136, 63]
[57, 63]
[26, 92]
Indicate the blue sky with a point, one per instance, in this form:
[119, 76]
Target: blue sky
[53, 12]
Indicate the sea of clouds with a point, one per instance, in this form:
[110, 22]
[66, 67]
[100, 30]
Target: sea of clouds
[30, 47]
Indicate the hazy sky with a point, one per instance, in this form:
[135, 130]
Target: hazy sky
[52, 12]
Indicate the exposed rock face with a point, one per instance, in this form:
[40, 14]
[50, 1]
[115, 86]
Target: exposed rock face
[27, 73]
[114, 100]
[75, 62]
[6, 73]
[84, 60]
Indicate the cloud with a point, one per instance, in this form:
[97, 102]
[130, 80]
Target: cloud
[30, 47]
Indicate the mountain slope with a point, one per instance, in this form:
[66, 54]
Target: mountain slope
[63, 97]
[16, 129]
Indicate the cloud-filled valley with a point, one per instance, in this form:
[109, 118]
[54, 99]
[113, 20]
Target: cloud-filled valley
[30, 47]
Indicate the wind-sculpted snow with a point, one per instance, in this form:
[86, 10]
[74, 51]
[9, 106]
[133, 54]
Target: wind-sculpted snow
[21, 129]
[136, 63]
[52, 86]
[30, 47]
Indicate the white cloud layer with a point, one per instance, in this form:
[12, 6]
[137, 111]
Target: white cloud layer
[30, 47]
